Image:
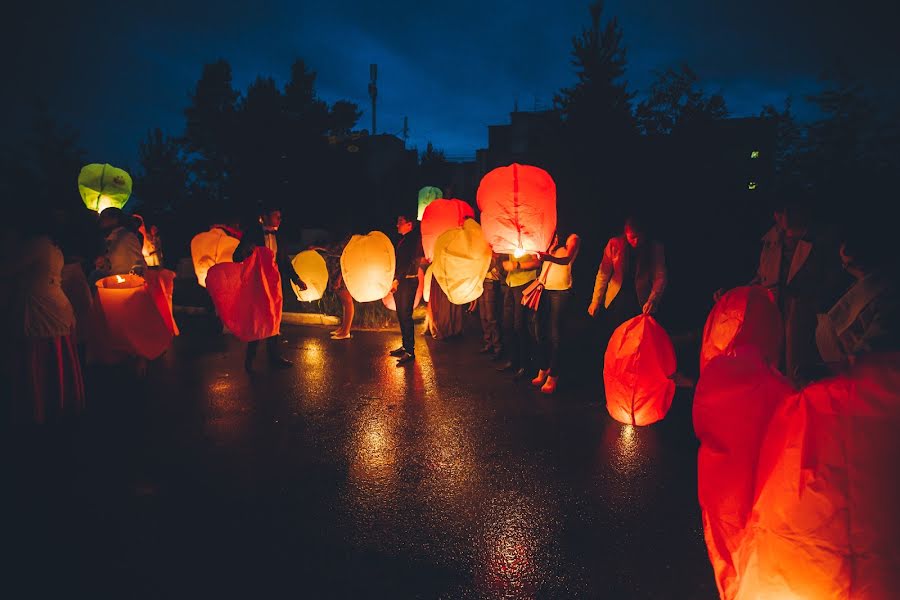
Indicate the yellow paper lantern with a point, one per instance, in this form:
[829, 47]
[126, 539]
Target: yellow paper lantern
[104, 186]
[462, 257]
[312, 270]
[367, 266]
[210, 248]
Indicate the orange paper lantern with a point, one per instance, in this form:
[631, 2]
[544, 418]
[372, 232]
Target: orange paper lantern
[518, 209]
[247, 295]
[312, 271]
[211, 248]
[134, 316]
[367, 266]
[461, 260]
[637, 371]
[744, 315]
[807, 505]
[439, 216]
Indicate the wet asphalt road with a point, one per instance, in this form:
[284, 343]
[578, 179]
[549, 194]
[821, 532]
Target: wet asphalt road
[346, 477]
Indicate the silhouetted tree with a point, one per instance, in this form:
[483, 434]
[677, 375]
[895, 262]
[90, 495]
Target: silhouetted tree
[675, 101]
[209, 131]
[789, 140]
[162, 183]
[599, 104]
[343, 117]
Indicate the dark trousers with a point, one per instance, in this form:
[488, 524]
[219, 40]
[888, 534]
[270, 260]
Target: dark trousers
[404, 297]
[519, 327]
[551, 311]
[488, 310]
[272, 349]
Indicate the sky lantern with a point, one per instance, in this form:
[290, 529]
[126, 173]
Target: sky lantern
[733, 404]
[312, 270]
[518, 209]
[637, 371]
[440, 216]
[247, 295]
[744, 315]
[427, 195]
[800, 495]
[134, 316]
[103, 186]
[367, 266]
[461, 260]
[210, 248]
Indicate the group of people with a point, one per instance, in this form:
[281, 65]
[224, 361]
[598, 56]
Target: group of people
[526, 298]
[838, 296]
[48, 278]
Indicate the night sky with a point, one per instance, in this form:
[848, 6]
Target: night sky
[113, 72]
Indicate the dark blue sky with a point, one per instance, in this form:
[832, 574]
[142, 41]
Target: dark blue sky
[114, 71]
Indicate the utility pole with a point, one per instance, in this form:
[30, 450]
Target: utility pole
[373, 91]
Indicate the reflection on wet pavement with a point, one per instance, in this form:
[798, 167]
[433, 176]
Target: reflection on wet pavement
[347, 476]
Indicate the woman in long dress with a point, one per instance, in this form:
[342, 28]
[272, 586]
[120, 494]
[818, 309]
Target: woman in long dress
[39, 321]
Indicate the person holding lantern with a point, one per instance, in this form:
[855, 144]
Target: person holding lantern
[124, 246]
[409, 256]
[632, 276]
[266, 236]
[39, 327]
[518, 319]
[557, 276]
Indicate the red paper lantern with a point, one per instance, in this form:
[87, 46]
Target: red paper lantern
[637, 372]
[800, 500]
[518, 209]
[439, 216]
[733, 404]
[744, 315]
[247, 295]
[133, 316]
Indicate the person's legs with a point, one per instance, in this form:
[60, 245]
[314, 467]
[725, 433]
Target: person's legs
[405, 297]
[523, 325]
[508, 327]
[488, 309]
[557, 302]
[348, 311]
[252, 348]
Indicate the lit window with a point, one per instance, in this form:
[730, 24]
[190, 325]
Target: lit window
[754, 154]
[751, 185]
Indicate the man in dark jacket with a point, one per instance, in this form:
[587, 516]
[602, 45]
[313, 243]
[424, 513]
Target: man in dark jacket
[266, 236]
[406, 281]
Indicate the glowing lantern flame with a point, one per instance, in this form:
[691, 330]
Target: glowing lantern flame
[519, 253]
[120, 279]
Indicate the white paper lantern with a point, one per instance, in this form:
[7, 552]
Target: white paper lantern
[367, 266]
[312, 270]
[461, 260]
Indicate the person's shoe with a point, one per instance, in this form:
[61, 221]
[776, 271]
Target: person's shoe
[550, 385]
[485, 350]
[541, 378]
[279, 362]
[507, 366]
[346, 336]
[398, 352]
[519, 374]
[406, 357]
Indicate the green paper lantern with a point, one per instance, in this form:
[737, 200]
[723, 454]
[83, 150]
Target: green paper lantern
[426, 196]
[104, 186]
